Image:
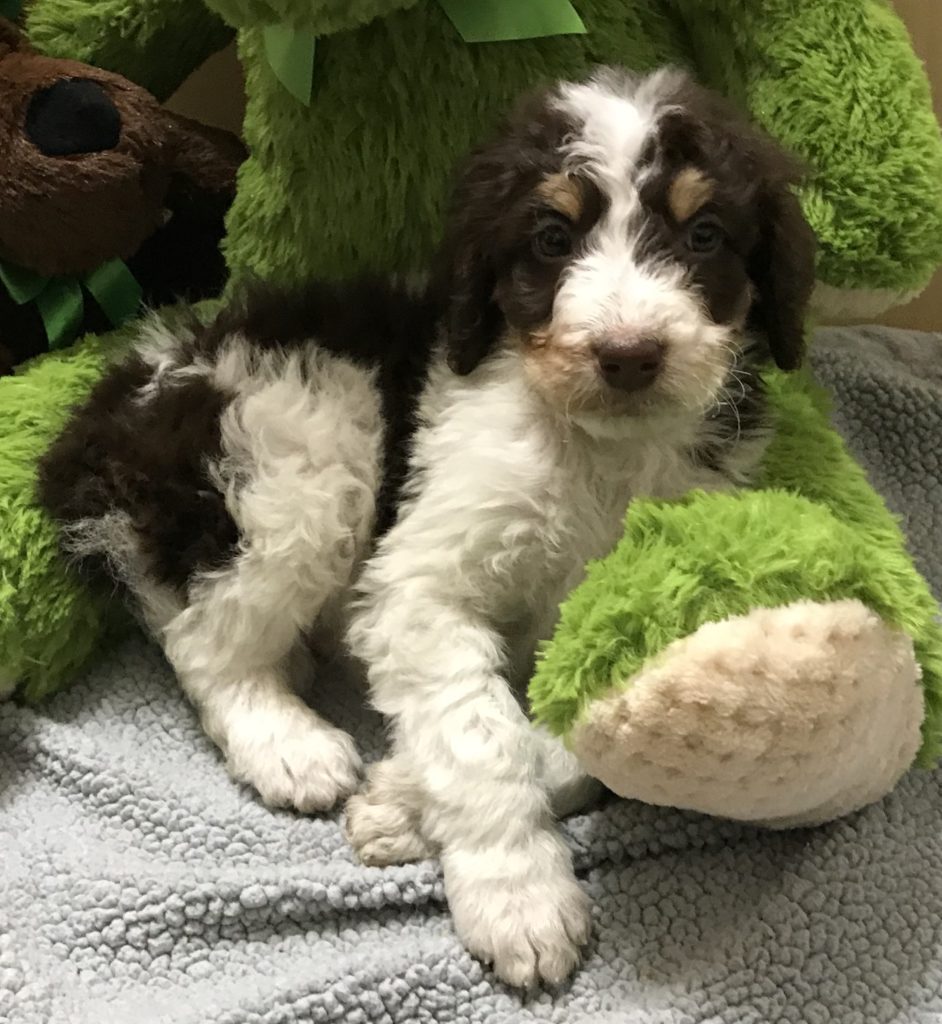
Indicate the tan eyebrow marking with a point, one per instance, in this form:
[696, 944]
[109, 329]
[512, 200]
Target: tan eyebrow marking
[563, 193]
[689, 190]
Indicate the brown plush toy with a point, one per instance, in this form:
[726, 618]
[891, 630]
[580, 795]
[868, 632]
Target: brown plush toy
[107, 200]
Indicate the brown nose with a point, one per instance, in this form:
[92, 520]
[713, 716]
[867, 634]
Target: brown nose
[629, 363]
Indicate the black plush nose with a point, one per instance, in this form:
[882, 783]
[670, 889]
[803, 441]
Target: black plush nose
[629, 363]
[71, 117]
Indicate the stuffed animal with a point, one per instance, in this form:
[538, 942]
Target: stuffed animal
[835, 80]
[352, 140]
[769, 655]
[106, 200]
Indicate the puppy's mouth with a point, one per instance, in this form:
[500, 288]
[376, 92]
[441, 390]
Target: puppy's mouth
[581, 372]
[618, 375]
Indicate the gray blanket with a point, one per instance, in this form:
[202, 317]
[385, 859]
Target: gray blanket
[137, 883]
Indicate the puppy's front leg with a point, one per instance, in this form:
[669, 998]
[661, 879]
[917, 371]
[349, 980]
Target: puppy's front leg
[468, 761]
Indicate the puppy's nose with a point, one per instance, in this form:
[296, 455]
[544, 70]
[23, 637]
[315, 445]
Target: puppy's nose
[629, 363]
[73, 116]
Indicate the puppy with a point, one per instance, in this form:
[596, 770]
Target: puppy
[620, 261]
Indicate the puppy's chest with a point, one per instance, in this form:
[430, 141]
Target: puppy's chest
[578, 513]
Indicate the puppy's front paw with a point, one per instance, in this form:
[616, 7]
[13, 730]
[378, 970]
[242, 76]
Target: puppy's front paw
[531, 926]
[293, 760]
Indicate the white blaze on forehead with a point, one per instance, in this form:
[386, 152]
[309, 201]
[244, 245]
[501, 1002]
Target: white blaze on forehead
[611, 285]
[613, 117]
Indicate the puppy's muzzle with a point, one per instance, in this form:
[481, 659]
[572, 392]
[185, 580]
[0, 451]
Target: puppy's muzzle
[629, 362]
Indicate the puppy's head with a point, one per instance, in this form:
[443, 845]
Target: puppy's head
[625, 234]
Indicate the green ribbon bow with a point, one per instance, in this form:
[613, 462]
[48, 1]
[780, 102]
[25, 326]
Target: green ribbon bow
[496, 21]
[290, 53]
[61, 300]
[291, 57]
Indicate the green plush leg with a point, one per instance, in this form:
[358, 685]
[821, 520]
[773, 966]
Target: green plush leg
[837, 81]
[154, 43]
[49, 623]
[357, 179]
[662, 661]
[785, 716]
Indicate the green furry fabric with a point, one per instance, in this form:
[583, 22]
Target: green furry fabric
[155, 43]
[49, 623]
[818, 531]
[358, 179]
[322, 17]
[837, 81]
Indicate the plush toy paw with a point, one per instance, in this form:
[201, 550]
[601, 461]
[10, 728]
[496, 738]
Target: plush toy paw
[784, 716]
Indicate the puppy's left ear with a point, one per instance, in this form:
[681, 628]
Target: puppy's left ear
[783, 272]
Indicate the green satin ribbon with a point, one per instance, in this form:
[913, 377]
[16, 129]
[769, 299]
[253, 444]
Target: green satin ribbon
[61, 300]
[497, 21]
[290, 53]
[291, 57]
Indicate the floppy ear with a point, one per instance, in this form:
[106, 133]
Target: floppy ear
[782, 262]
[467, 274]
[480, 236]
[11, 39]
[472, 319]
[203, 162]
[783, 273]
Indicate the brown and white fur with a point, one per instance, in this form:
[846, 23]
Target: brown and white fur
[618, 264]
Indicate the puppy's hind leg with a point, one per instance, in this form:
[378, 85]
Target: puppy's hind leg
[233, 493]
[235, 649]
[300, 470]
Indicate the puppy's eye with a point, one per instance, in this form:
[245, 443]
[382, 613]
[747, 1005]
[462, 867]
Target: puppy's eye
[553, 240]
[705, 236]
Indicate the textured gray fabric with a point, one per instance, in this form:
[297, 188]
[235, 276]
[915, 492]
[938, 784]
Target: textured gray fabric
[139, 884]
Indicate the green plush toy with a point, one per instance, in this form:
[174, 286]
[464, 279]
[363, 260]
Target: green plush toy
[775, 657]
[733, 643]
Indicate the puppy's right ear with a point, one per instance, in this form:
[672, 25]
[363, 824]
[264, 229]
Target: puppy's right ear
[484, 222]
[468, 274]
[473, 320]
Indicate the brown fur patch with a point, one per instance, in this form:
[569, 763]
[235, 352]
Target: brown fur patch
[688, 192]
[148, 460]
[564, 193]
[565, 374]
